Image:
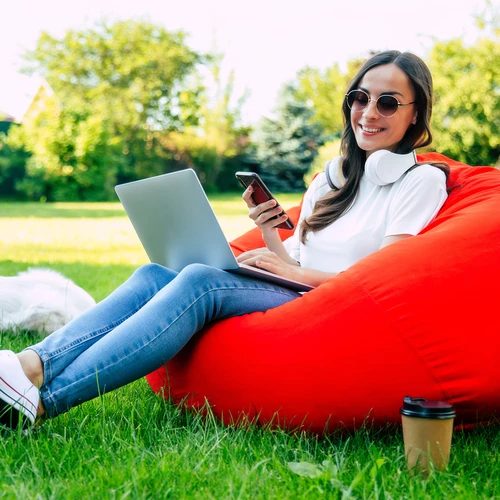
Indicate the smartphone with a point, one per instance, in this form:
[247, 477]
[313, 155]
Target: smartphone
[260, 193]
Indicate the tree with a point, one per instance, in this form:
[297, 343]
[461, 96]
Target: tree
[286, 146]
[216, 145]
[466, 120]
[323, 91]
[12, 162]
[116, 90]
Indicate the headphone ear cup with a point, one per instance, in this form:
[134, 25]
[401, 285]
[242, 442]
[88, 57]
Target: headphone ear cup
[385, 167]
[333, 172]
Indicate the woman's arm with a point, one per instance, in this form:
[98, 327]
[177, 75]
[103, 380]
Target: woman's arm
[269, 261]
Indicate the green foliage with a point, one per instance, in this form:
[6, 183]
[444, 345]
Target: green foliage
[13, 160]
[136, 71]
[323, 91]
[215, 148]
[325, 153]
[73, 155]
[117, 89]
[466, 120]
[122, 102]
[130, 100]
[287, 145]
[5, 123]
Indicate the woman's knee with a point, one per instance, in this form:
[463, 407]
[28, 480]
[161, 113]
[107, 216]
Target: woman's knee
[201, 273]
[153, 273]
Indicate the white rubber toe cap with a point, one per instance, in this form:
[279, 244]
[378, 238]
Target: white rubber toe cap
[16, 390]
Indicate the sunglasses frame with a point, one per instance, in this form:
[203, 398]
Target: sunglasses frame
[376, 102]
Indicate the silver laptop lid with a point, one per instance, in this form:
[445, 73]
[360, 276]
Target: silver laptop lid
[173, 219]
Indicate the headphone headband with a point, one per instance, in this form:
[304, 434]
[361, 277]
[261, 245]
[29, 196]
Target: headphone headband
[382, 167]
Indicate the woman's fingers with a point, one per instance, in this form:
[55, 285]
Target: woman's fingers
[247, 197]
[264, 211]
[272, 263]
[266, 215]
[251, 256]
[265, 259]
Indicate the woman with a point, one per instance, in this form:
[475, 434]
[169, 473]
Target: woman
[148, 319]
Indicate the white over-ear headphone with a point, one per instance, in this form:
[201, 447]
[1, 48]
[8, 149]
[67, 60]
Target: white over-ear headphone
[382, 167]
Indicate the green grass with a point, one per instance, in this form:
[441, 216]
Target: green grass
[133, 444]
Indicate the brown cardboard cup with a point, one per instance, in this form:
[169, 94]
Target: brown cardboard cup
[427, 432]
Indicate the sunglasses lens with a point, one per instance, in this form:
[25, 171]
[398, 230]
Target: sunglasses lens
[387, 105]
[357, 100]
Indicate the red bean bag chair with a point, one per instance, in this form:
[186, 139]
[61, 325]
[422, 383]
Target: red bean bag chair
[417, 318]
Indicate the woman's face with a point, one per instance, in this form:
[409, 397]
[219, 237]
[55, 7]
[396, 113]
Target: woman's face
[374, 131]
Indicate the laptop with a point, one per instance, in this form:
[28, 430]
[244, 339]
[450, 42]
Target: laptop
[176, 225]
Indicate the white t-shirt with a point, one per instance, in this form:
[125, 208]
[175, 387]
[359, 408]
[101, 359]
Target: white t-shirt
[405, 207]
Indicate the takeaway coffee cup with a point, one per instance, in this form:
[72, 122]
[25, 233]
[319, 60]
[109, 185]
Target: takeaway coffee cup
[427, 431]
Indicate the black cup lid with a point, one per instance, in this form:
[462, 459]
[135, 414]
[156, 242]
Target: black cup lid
[421, 408]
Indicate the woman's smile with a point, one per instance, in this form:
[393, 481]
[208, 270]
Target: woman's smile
[370, 130]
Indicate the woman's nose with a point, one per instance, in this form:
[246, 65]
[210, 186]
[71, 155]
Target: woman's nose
[371, 109]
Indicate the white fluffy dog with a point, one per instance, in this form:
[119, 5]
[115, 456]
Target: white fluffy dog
[40, 300]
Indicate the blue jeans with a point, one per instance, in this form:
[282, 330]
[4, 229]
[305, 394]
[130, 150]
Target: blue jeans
[140, 326]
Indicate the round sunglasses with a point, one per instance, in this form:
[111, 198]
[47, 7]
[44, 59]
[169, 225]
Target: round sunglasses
[387, 105]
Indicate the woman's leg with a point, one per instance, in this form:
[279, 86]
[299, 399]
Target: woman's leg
[141, 342]
[62, 347]
[21, 377]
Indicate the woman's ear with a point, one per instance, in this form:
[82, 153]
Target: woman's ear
[414, 121]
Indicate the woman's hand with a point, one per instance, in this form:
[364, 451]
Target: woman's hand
[263, 216]
[250, 254]
[267, 260]
[266, 215]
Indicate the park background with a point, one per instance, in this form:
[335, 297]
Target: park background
[112, 99]
[115, 93]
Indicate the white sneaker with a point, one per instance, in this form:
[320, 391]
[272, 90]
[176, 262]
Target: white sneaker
[18, 396]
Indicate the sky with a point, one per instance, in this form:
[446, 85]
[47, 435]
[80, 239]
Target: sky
[265, 42]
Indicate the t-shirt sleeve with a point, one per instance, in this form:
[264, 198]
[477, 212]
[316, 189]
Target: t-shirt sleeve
[313, 193]
[421, 195]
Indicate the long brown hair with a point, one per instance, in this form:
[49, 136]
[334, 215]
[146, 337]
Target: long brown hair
[336, 202]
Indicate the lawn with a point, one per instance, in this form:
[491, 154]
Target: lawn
[133, 444]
